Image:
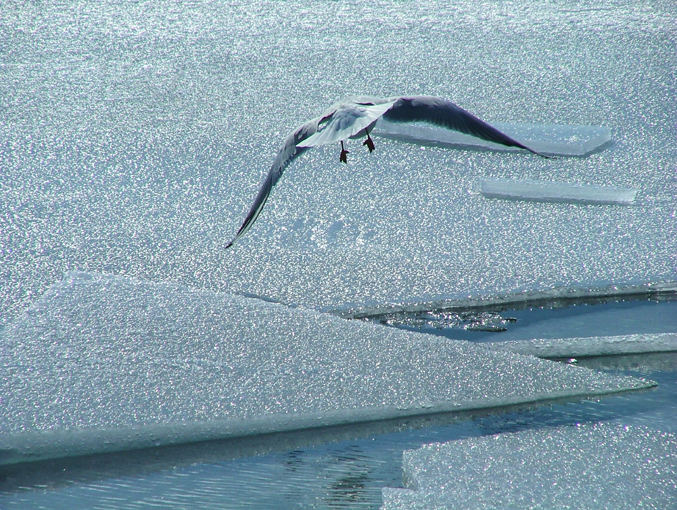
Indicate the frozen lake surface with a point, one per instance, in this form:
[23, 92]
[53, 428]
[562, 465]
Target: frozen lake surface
[133, 138]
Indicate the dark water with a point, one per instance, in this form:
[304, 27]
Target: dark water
[565, 318]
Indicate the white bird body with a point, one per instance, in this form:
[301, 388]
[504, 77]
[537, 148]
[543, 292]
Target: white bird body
[347, 120]
[354, 118]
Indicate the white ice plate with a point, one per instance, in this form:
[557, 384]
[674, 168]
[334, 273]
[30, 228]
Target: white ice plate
[545, 191]
[103, 363]
[590, 346]
[551, 139]
[572, 467]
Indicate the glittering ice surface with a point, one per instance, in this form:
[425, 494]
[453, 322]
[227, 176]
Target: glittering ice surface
[134, 136]
[590, 346]
[574, 467]
[105, 363]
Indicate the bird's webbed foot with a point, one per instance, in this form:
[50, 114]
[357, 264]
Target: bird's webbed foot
[343, 158]
[369, 143]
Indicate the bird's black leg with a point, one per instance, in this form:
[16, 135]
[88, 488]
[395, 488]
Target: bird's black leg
[343, 158]
[369, 143]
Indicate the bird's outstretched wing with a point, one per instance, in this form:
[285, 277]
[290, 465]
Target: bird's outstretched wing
[350, 118]
[443, 113]
[286, 155]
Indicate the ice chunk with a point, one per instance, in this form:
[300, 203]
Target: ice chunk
[589, 466]
[103, 363]
[590, 346]
[544, 191]
[553, 139]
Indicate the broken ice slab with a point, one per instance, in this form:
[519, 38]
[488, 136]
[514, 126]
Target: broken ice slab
[573, 467]
[590, 346]
[550, 139]
[545, 191]
[103, 363]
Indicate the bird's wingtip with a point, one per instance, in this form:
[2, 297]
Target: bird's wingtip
[545, 156]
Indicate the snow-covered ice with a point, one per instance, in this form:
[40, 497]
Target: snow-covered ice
[545, 191]
[590, 346]
[574, 467]
[104, 363]
[552, 140]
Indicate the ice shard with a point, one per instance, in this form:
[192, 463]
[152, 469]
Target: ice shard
[590, 346]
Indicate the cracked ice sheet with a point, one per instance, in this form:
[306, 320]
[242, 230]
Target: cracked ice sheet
[136, 150]
[590, 346]
[573, 467]
[105, 363]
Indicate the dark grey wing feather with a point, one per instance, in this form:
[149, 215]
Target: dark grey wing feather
[286, 155]
[441, 112]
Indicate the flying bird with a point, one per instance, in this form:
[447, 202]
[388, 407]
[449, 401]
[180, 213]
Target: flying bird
[355, 118]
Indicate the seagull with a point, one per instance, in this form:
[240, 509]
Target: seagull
[355, 118]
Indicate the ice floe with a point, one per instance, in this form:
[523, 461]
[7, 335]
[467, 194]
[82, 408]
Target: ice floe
[105, 363]
[590, 346]
[573, 467]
